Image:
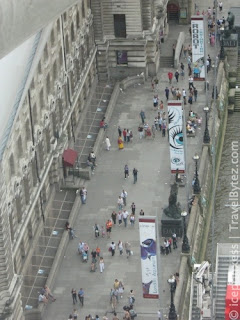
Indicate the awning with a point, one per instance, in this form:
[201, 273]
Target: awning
[69, 157]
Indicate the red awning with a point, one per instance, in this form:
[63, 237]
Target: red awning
[69, 157]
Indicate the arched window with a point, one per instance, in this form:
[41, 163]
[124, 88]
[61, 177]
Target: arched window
[78, 20]
[83, 9]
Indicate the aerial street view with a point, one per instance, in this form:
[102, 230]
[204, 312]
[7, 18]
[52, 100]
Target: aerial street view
[119, 159]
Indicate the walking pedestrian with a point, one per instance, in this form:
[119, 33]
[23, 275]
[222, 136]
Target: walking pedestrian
[141, 133]
[119, 131]
[174, 239]
[113, 248]
[108, 144]
[164, 126]
[125, 135]
[102, 231]
[155, 101]
[126, 171]
[128, 135]
[120, 203]
[125, 216]
[135, 173]
[170, 76]
[96, 230]
[190, 99]
[133, 207]
[132, 219]
[115, 316]
[170, 244]
[128, 248]
[141, 213]
[159, 315]
[124, 197]
[109, 228]
[185, 52]
[75, 314]
[190, 81]
[119, 218]
[142, 115]
[195, 92]
[120, 247]
[114, 217]
[74, 295]
[220, 4]
[184, 94]
[81, 296]
[167, 93]
[176, 75]
[98, 250]
[101, 264]
[71, 234]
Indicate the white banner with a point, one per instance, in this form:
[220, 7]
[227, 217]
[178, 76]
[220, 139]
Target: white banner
[147, 233]
[176, 136]
[198, 50]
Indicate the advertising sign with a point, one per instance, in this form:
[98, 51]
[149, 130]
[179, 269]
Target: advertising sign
[198, 50]
[147, 233]
[176, 136]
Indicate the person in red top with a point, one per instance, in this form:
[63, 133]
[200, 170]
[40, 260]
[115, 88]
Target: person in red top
[125, 135]
[170, 76]
[108, 228]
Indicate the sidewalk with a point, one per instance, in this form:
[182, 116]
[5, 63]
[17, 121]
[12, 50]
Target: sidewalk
[151, 158]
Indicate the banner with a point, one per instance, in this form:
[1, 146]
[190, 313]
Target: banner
[198, 50]
[147, 234]
[175, 123]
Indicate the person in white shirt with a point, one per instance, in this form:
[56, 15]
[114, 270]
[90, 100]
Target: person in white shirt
[113, 248]
[119, 218]
[108, 144]
[159, 315]
[124, 197]
[125, 216]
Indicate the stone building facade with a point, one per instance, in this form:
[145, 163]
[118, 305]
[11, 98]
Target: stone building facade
[109, 37]
[43, 127]
[127, 35]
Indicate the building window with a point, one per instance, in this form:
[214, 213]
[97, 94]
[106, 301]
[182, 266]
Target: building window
[122, 57]
[83, 9]
[119, 25]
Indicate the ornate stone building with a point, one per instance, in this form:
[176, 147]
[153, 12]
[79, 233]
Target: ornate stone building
[127, 35]
[62, 64]
[62, 70]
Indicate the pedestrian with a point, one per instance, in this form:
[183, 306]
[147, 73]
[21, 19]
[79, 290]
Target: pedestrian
[220, 4]
[142, 115]
[182, 74]
[185, 52]
[81, 296]
[119, 218]
[176, 75]
[114, 217]
[170, 244]
[155, 125]
[71, 234]
[48, 293]
[161, 106]
[174, 49]
[190, 82]
[128, 249]
[184, 94]
[167, 93]
[74, 295]
[81, 193]
[166, 246]
[141, 213]
[128, 136]
[133, 207]
[108, 144]
[120, 247]
[124, 197]
[131, 297]
[70, 317]
[125, 216]
[109, 228]
[120, 203]
[141, 133]
[96, 230]
[155, 101]
[160, 123]
[119, 131]
[190, 99]
[135, 173]
[101, 264]
[190, 31]
[164, 126]
[113, 248]
[170, 76]
[195, 92]
[120, 143]
[182, 66]
[178, 94]
[125, 135]
[98, 250]
[159, 315]
[94, 256]
[189, 61]
[174, 239]
[132, 219]
[115, 316]
[75, 314]
[126, 171]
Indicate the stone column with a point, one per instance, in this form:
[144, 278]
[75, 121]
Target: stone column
[10, 283]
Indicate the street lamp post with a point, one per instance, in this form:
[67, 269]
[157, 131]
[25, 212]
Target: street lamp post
[185, 244]
[196, 185]
[172, 312]
[206, 137]
[222, 53]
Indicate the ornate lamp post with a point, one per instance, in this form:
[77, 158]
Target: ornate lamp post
[206, 137]
[196, 184]
[172, 312]
[185, 244]
[222, 53]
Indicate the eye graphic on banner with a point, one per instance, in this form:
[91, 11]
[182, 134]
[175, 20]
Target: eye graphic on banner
[176, 137]
[148, 249]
